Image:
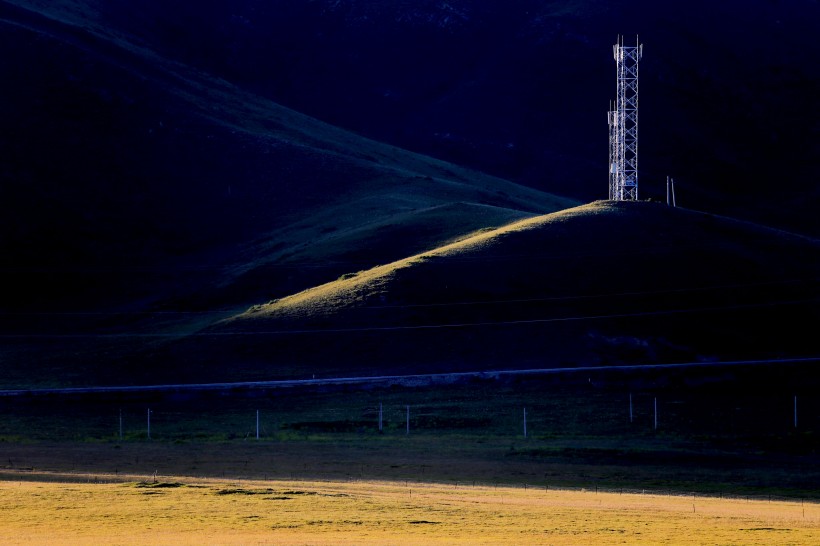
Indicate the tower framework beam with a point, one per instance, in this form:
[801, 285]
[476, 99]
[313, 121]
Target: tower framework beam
[623, 124]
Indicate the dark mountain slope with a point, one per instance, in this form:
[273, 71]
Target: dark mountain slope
[128, 176]
[728, 90]
[143, 198]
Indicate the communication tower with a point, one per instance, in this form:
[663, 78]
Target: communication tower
[623, 124]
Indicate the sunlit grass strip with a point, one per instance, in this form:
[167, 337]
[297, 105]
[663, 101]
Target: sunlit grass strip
[360, 286]
[173, 511]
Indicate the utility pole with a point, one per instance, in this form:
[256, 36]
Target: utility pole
[623, 124]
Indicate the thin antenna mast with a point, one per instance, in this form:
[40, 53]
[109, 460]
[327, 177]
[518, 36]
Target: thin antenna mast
[623, 124]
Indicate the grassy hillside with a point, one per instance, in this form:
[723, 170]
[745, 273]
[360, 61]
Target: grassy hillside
[131, 175]
[143, 197]
[167, 218]
[146, 199]
[628, 238]
[605, 283]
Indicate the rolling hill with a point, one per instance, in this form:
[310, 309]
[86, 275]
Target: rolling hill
[604, 283]
[212, 192]
[149, 193]
[120, 160]
[143, 195]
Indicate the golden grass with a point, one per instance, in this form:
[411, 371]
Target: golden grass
[302, 512]
[367, 284]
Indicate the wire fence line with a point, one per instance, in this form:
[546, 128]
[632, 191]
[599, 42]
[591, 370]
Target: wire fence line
[539, 415]
[502, 429]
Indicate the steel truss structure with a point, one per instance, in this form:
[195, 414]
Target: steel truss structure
[623, 125]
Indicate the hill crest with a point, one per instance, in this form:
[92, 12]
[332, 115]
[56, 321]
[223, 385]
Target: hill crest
[601, 284]
[375, 286]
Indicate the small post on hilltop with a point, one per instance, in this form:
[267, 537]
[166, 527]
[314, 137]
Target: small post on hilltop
[674, 204]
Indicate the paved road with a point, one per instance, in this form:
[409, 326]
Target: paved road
[418, 380]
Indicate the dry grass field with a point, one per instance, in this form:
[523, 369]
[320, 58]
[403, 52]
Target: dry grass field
[183, 511]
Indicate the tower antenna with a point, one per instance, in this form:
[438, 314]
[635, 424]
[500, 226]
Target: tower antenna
[623, 124]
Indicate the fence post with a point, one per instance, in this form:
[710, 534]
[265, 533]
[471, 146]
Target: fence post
[656, 413]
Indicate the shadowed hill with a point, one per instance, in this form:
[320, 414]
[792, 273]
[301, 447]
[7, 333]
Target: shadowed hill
[520, 89]
[144, 198]
[129, 177]
[599, 284]
[634, 247]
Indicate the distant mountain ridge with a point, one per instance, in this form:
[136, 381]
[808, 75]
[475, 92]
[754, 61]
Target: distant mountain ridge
[520, 90]
[122, 160]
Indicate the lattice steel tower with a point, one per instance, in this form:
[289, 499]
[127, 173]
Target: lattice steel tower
[623, 125]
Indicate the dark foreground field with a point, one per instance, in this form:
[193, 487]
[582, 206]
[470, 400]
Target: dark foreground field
[719, 431]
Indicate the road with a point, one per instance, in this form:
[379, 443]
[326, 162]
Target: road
[417, 380]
